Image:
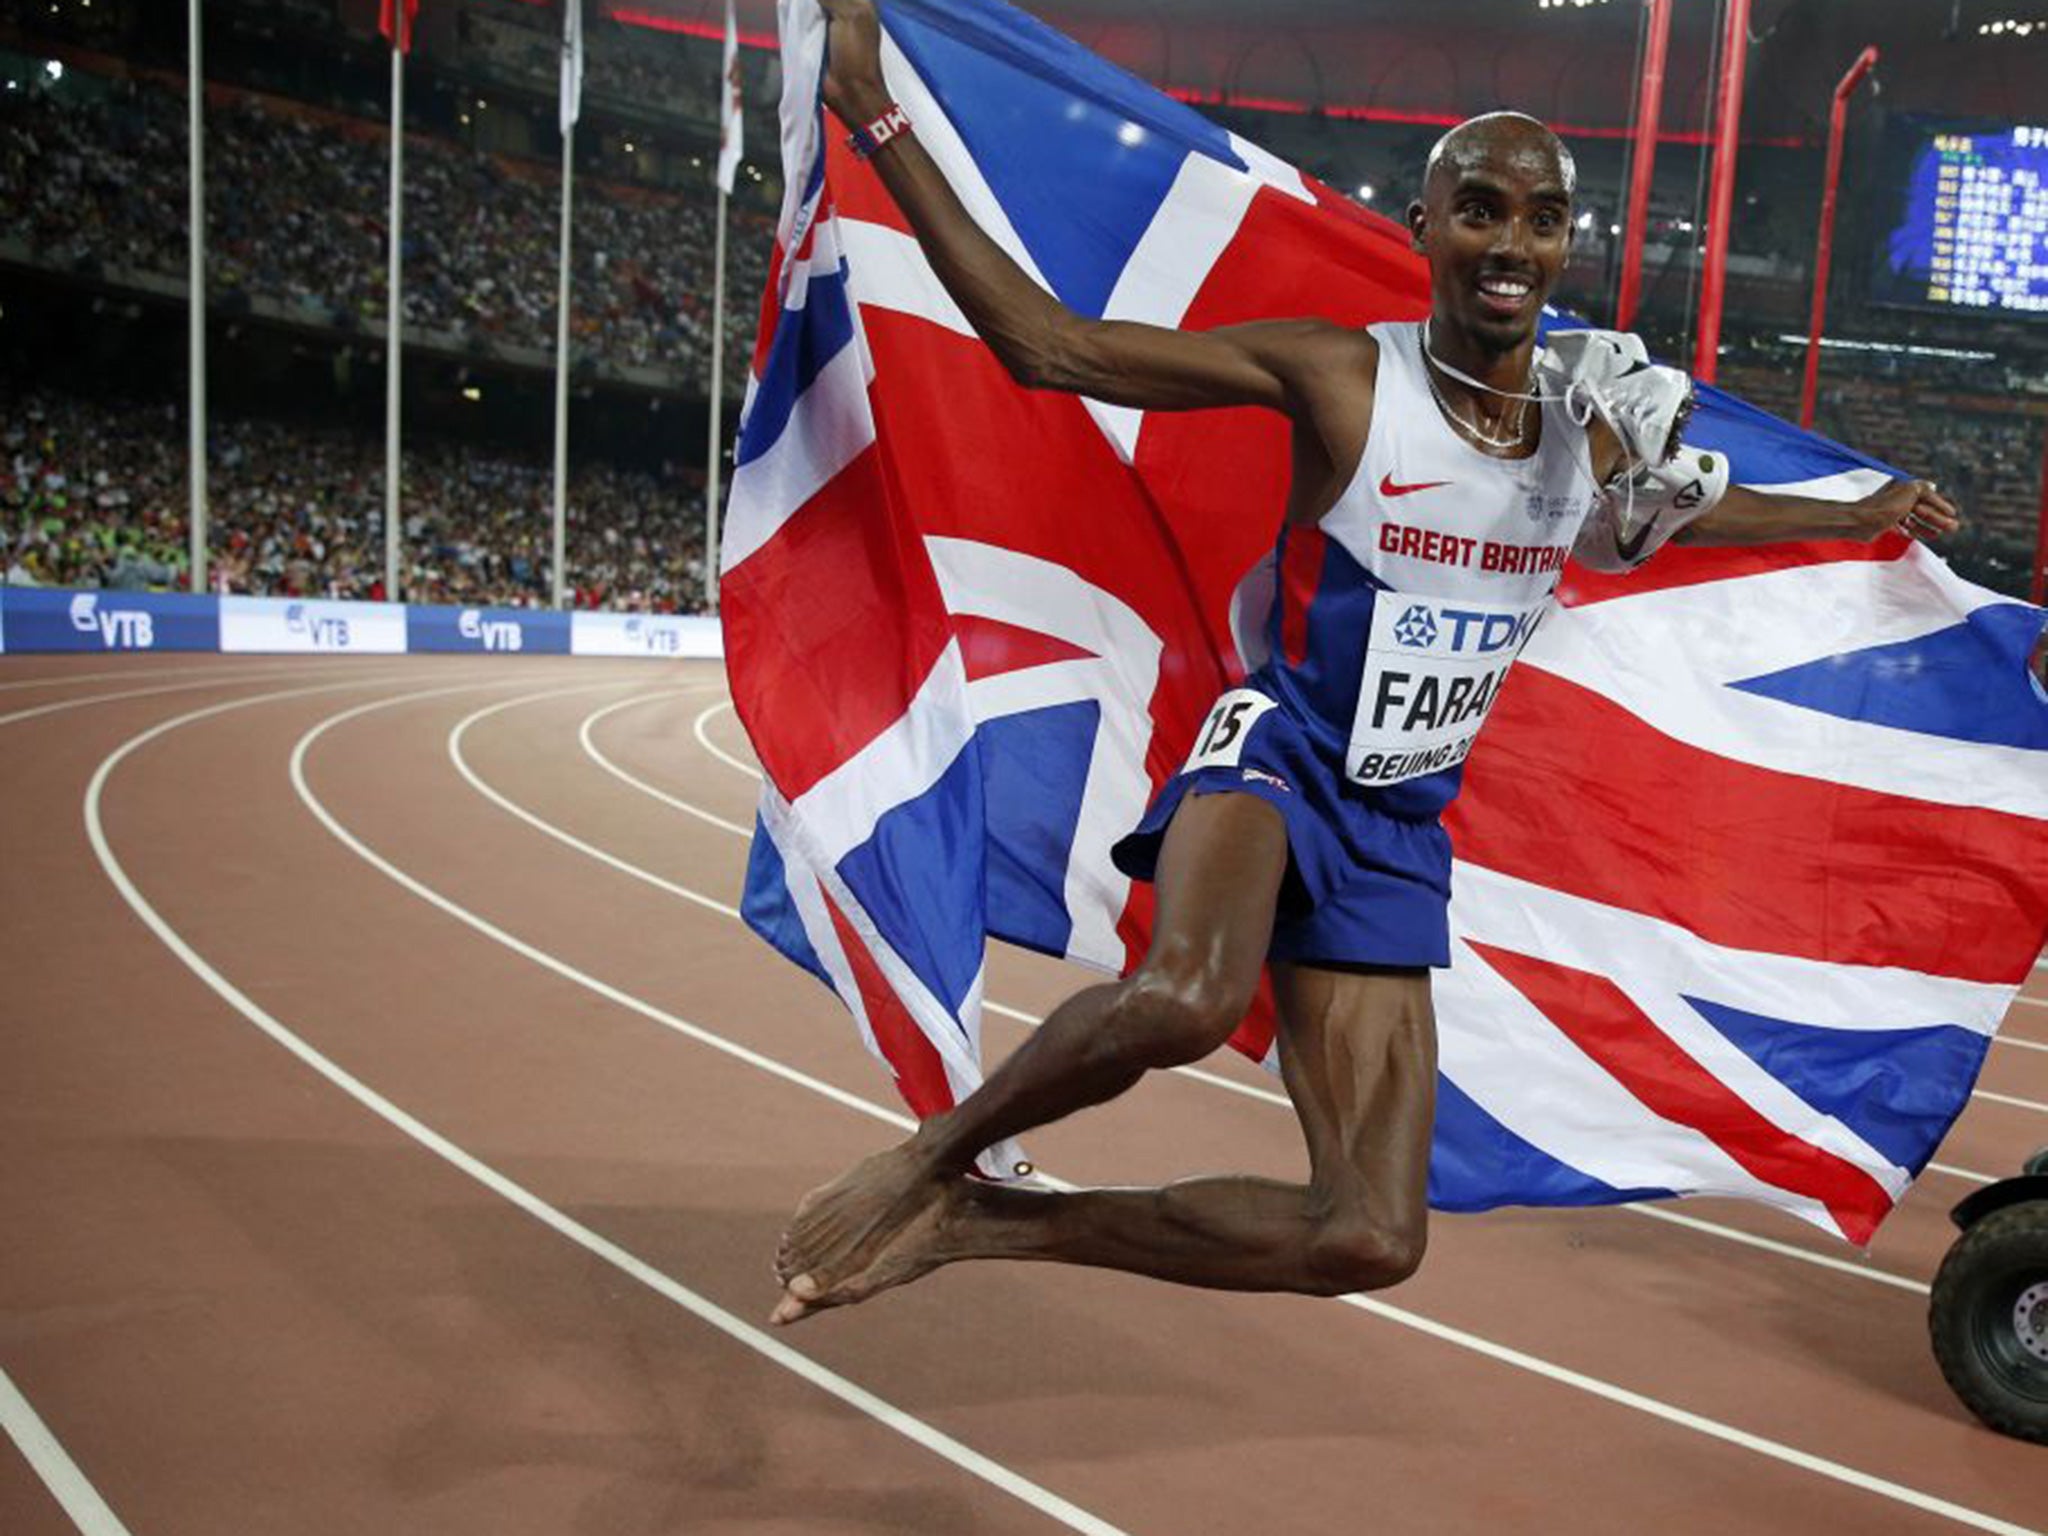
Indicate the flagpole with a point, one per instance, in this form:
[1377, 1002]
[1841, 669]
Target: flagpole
[717, 450]
[394, 319]
[195, 288]
[561, 544]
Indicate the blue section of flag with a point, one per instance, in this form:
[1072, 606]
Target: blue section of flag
[1079, 154]
[766, 908]
[1968, 682]
[920, 878]
[1762, 449]
[1476, 1163]
[805, 341]
[1034, 772]
[1896, 1088]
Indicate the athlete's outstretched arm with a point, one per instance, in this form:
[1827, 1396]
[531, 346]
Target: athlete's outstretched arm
[1042, 343]
[1745, 516]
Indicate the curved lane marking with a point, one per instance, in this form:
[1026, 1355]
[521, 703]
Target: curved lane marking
[1504, 1354]
[128, 674]
[848, 1392]
[61, 705]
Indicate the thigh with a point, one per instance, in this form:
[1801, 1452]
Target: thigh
[1217, 884]
[1358, 1055]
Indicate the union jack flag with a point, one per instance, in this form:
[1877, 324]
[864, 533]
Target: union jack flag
[1750, 862]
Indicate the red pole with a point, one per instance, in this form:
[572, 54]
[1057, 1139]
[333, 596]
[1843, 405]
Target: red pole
[2040, 589]
[1721, 194]
[1649, 103]
[1824, 243]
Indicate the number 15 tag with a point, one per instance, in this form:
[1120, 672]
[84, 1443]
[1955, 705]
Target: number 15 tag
[1220, 741]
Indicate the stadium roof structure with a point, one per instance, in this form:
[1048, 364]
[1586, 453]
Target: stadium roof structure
[1436, 61]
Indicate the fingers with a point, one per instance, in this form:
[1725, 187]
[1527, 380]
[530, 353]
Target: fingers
[1930, 514]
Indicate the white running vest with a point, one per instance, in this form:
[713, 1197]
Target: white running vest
[1397, 616]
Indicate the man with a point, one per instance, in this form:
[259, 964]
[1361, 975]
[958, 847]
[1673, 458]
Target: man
[1438, 486]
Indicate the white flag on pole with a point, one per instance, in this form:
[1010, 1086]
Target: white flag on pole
[730, 134]
[572, 61]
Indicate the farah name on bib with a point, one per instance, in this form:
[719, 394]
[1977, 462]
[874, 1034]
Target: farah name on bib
[1433, 668]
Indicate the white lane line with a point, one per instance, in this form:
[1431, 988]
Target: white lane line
[1563, 1375]
[1881, 1486]
[612, 861]
[127, 674]
[53, 1464]
[851, 1393]
[1214, 1080]
[590, 750]
[2017, 1103]
[704, 740]
[62, 705]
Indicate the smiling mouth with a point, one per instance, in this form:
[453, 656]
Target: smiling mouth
[1503, 294]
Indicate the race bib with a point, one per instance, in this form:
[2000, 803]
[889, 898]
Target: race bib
[1433, 668]
[1220, 741]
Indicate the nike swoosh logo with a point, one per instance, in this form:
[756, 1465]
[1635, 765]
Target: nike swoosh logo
[1631, 549]
[1389, 488]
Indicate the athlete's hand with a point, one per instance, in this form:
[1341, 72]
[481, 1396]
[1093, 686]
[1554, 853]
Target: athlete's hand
[854, 88]
[1914, 507]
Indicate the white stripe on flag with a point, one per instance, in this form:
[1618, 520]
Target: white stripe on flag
[1752, 626]
[943, 143]
[887, 269]
[1191, 228]
[1119, 675]
[1502, 1045]
[1588, 935]
[839, 812]
[829, 427]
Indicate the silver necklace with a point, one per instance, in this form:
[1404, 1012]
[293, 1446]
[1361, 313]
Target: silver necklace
[1430, 362]
[1472, 429]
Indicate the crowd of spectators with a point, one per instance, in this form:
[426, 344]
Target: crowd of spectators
[94, 494]
[94, 177]
[1932, 417]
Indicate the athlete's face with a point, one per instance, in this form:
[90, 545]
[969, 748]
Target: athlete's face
[1495, 221]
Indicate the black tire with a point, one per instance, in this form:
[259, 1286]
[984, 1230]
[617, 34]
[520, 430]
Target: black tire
[2038, 1163]
[1999, 1371]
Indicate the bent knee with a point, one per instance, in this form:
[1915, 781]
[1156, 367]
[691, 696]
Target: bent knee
[1172, 1019]
[1351, 1254]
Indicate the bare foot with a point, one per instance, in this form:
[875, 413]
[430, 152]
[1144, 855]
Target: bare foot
[916, 1248]
[842, 1232]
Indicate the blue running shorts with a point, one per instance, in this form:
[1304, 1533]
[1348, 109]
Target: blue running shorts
[1362, 887]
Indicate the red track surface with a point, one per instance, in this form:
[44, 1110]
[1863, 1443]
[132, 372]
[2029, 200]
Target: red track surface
[241, 1299]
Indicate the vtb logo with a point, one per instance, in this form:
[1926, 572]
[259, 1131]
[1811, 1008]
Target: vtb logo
[655, 638]
[491, 634]
[325, 632]
[119, 629]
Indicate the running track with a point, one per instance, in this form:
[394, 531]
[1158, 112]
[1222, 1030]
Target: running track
[397, 1123]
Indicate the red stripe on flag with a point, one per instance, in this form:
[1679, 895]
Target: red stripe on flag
[989, 646]
[833, 626]
[1682, 565]
[1598, 1017]
[1301, 573]
[1569, 790]
[920, 1075]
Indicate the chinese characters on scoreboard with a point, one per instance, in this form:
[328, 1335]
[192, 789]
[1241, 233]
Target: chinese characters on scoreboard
[1991, 221]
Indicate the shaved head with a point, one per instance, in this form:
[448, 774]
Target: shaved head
[1490, 139]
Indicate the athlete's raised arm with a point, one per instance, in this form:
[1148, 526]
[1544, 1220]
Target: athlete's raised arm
[1746, 516]
[1042, 343]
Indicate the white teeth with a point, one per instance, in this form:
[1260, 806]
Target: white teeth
[1506, 287]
